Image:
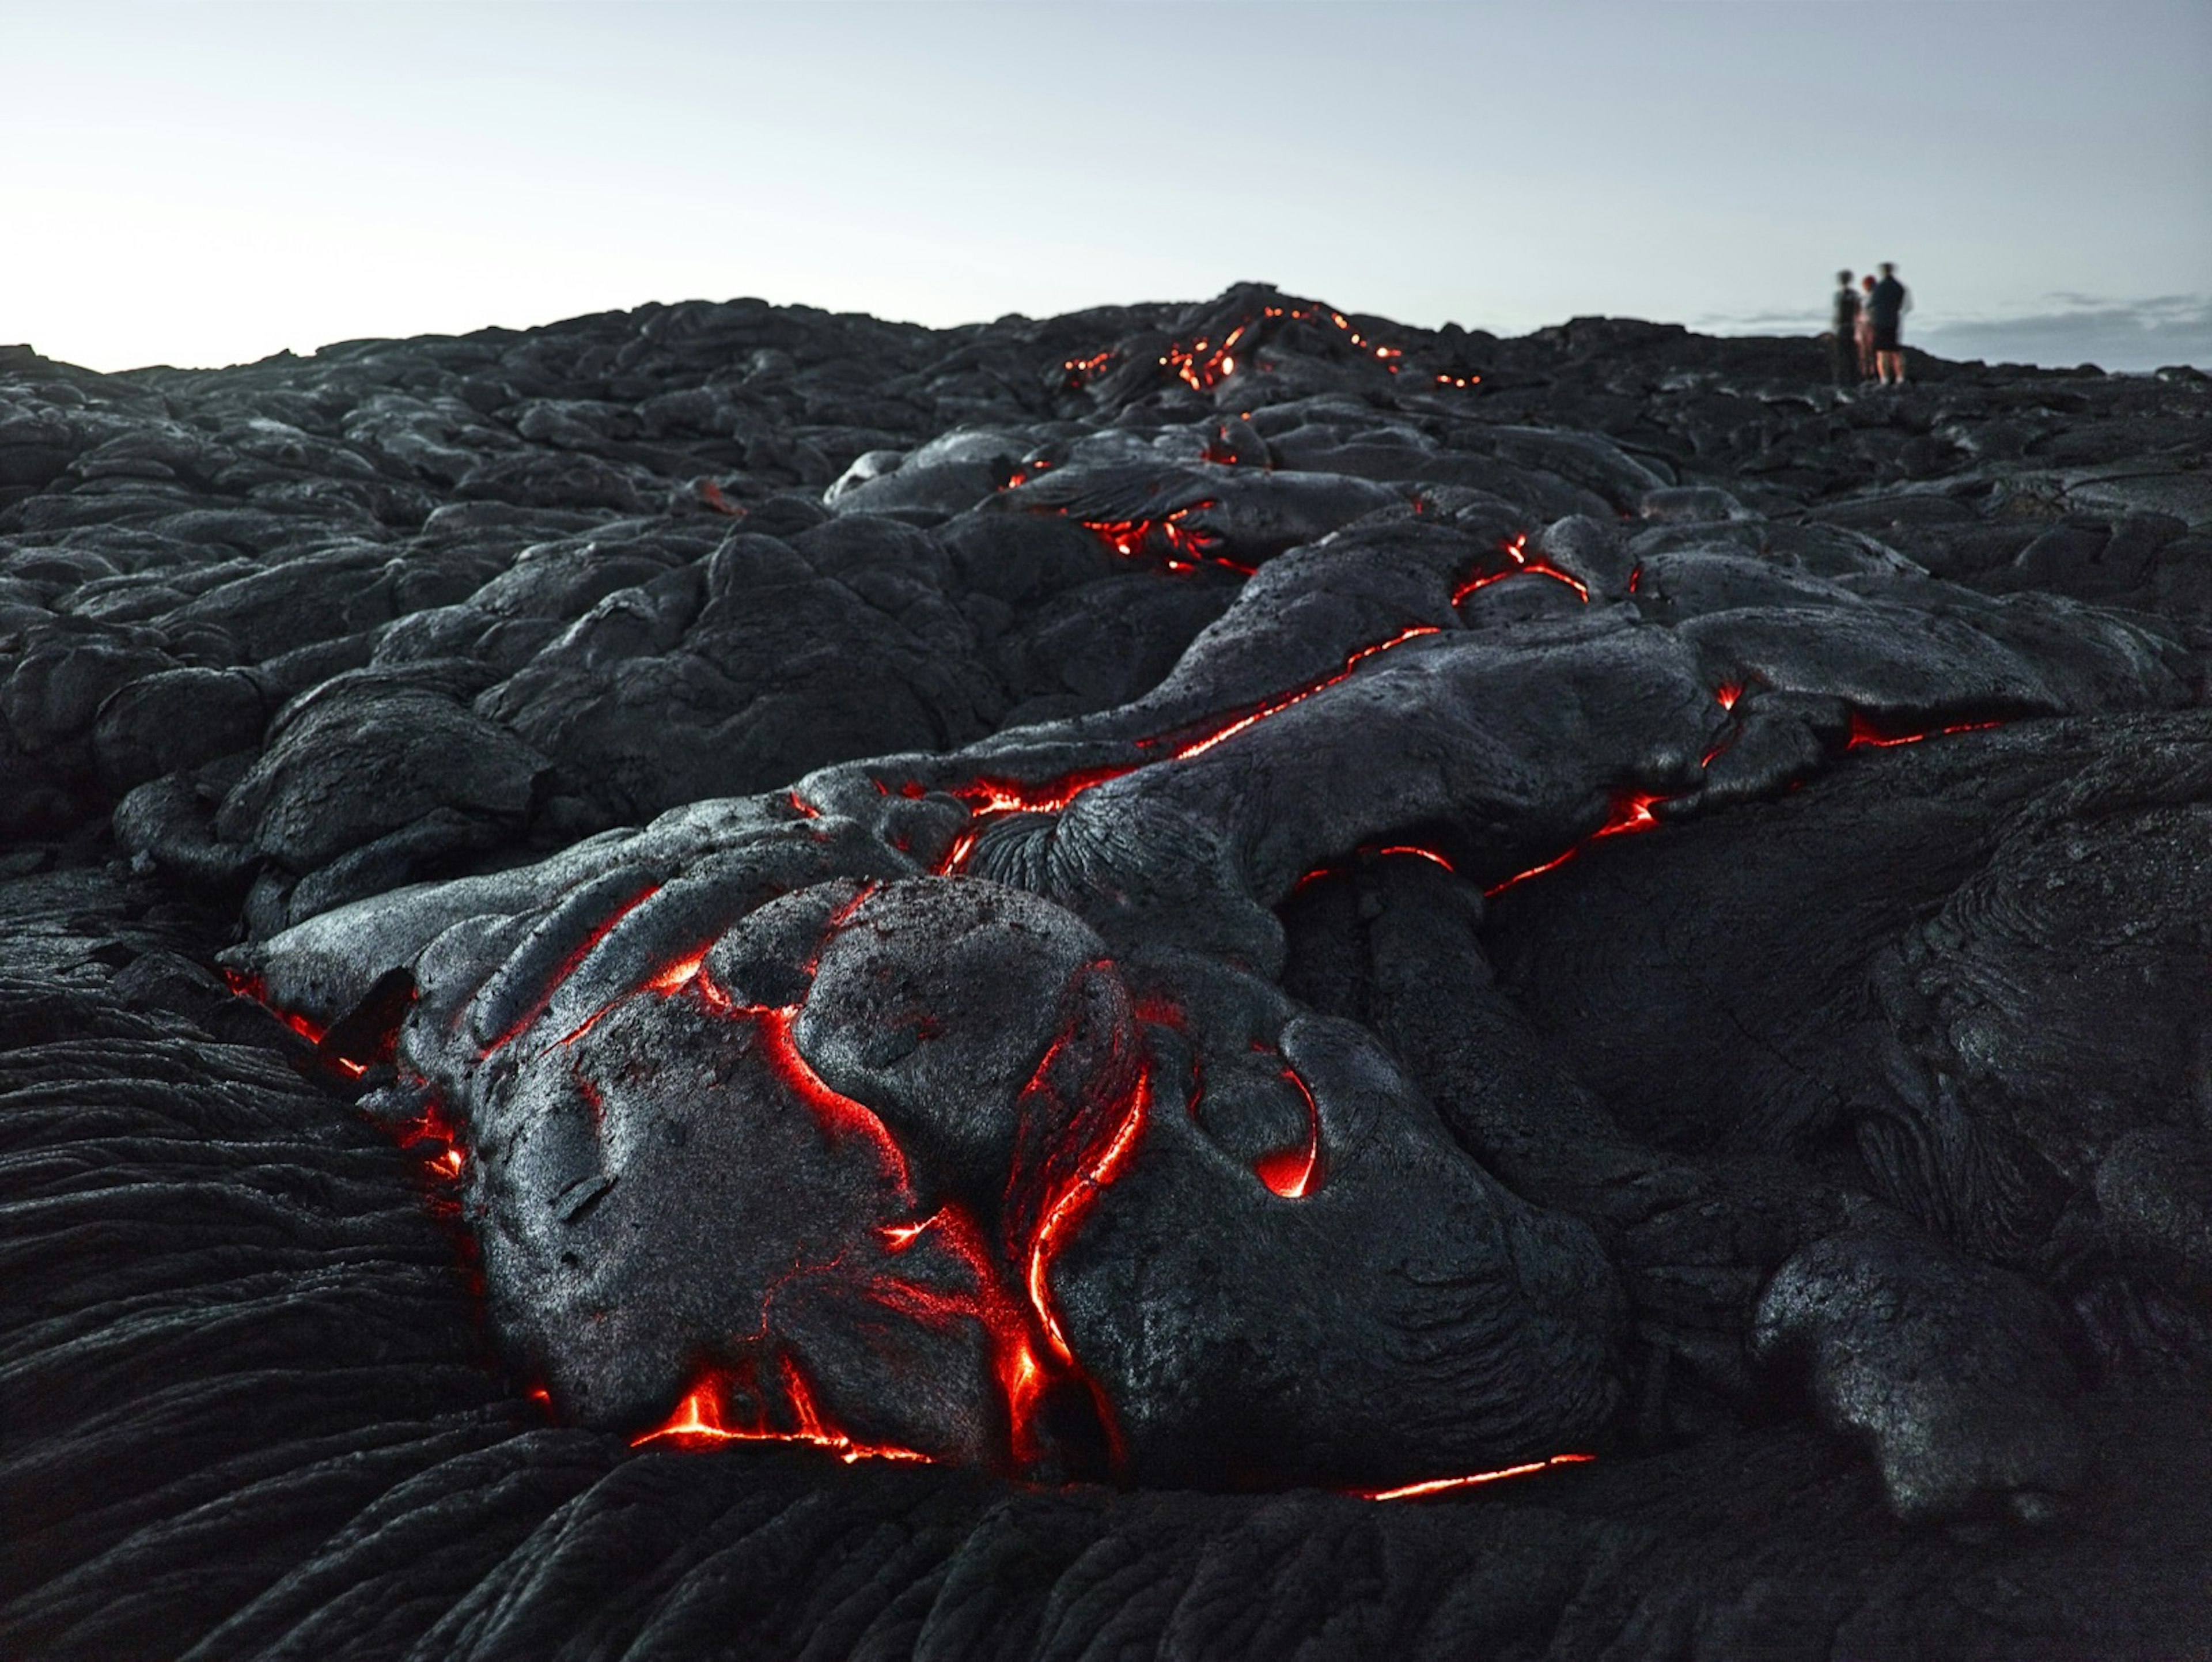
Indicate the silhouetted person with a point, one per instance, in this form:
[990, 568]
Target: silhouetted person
[1846, 336]
[1885, 308]
[1865, 328]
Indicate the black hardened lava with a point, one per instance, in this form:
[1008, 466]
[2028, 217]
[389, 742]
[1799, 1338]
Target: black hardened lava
[1226, 981]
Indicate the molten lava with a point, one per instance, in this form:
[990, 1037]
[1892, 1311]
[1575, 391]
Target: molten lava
[1204, 366]
[250, 986]
[1186, 549]
[1866, 735]
[1630, 813]
[700, 1418]
[1276, 706]
[1064, 1212]
[1444, 1485]
[1081, 372]
[990, 800]
[569, 964]
[1292, 1172]
[1517, 552]
[431, 1132]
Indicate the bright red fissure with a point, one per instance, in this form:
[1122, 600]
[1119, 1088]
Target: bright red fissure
[1188, 548]
[990, 799]
[1293, 1172]
[1516, 551]
[1206, 362]
[1011, 1329]
[568, 967]
[1063, 1213]
[701, 1417]
[1470, 1480]
[1865, 735]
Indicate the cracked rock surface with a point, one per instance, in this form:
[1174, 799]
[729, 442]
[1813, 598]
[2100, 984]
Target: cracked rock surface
[939, 993]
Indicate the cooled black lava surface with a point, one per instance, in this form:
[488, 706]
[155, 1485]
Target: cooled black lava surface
[1180, 758]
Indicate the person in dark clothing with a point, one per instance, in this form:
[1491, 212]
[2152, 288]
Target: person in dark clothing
[1846, 336]
[1885, 308]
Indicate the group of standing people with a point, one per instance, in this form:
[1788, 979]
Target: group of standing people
[1867, 321]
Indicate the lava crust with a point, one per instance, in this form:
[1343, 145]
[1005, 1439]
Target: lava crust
[1225, 980]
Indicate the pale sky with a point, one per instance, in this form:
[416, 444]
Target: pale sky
[203, 181]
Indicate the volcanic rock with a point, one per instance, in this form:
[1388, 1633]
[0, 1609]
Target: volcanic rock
[1222, 980]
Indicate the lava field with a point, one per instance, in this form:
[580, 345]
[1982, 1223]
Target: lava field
[1215, 981]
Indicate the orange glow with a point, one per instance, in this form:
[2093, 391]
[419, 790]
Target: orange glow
[840, 1116]
[711, 494]
[1067, 1209]
[1292, 1173]
[700, 1418]
[1444, 1485]
[1516, 551]
[1630, 813]
[1276, 707]
[803, 807]
[569, 964]
[1081, 372]
[1866, 735]
[1022, 1379]
[432, 1134]
[1204, 366]
[1727, 693]
[675, 978]
[1186, 549]
[252, 986]
[1429, 855]
[1414, 850]
[990, 799]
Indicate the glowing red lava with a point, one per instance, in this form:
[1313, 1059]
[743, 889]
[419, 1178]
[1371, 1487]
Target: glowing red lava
[1630, 813]
[582, 950]
[1517, 552]
[1866, 735]
[1204, 363]
[1186, 549]
[432, 1133]
[1293, 1172]
[1081, 372]
[700, 1418]
[1205, 366]
[988, 800]
[839, 1115]
[1022, 1379]
[1007, 1329]
[1276, 706]
[1445, 1485]
[1409, 850]
[251, 986]
[1064, 1212]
